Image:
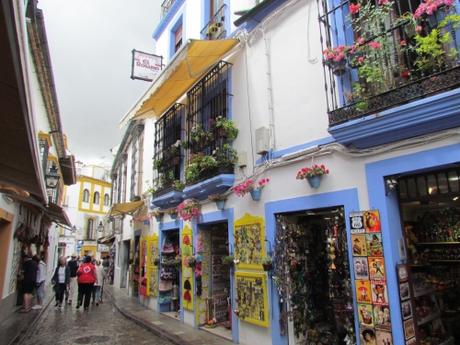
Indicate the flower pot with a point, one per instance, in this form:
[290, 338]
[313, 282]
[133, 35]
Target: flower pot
[173, 215]
[339, 67]
[158, 218]
[255, 194]
[220, 204]
[314, 181]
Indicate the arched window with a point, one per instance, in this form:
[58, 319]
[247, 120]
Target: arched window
[106, 199]
[86, 195]
[90, 229]
[96, 198]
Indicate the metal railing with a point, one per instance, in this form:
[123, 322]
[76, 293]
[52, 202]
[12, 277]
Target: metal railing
[378, 54]
[165, 6]
[215, 28]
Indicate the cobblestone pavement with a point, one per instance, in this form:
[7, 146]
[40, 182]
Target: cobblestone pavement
[99, 325]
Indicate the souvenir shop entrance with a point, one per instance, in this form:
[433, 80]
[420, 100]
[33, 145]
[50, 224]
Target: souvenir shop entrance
[430, 279]
[213, 279]
[313, 274]
[170, 274]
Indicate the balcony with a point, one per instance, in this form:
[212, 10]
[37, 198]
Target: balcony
[168, 158]
[384, 63]
[165, 7]
[215, 28]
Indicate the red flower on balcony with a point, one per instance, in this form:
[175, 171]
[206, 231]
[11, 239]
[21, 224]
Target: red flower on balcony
[335, 54]
[354, 8]
[429, 7]
[374, 44]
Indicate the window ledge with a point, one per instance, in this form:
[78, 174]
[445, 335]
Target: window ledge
[167, 200]
[215, 185]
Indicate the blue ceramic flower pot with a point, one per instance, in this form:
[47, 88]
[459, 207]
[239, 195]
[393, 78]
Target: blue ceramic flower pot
[158, 218]
[314, 181]
[255, 194]
[173, 215]
[220, 204]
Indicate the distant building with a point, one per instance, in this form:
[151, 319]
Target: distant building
[87, 202]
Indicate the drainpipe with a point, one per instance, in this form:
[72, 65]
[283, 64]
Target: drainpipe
[271, 112]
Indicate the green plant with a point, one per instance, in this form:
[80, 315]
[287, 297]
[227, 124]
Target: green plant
[225, 155]
[217, 197]
[228, 260]
[179, 185]
[198, 165]
[431, 54]
[227, 128]
[266, 260]
[158, 163]
[199, 135]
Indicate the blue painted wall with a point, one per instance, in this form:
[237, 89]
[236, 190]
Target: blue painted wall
[225, 216]
[389, 212]
[348, 199]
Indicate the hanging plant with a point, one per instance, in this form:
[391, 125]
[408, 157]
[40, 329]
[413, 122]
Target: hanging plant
[252, 187]
[157, 213]
[226, 128]
[267, 263]
[189, 209]
[313, 174]
[219, 199]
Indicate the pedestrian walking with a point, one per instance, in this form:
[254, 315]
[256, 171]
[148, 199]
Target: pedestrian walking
[99, 282]
[86, 274]
[61, 280]
[73, 266]
[40, 282]
[29, 268]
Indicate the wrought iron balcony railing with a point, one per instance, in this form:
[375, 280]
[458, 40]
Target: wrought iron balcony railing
[165, 6]
[215, 28]
[378, 54]
[168, 148]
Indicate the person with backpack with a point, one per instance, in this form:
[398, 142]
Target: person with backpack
[86, 274]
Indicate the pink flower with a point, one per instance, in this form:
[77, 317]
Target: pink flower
[361, 60]
[418, 29]
[360, 41]
[383, 2]
[403, 43]
[374, 45]
[354, 8]
[405, 74]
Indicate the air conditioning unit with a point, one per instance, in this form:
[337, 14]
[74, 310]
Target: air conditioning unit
[262, 140]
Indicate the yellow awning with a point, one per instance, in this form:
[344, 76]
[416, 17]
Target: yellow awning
[125, 208]
[196, 58]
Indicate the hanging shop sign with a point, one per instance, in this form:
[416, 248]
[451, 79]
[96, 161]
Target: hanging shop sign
[252, 297]
[249, 234]
[152, 269]
[145, 66]
[187, 271]
[370, 278]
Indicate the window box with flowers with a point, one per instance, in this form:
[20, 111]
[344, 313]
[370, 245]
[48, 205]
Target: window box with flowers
[250, 186]
[189, 209]
[313, 174]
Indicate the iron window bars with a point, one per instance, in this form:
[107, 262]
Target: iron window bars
[395, 72]
[207, 100]
[215, 28]
[167, 156]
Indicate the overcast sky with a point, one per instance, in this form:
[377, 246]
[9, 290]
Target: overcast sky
[90, 43]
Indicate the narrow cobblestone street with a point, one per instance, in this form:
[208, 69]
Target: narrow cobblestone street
[100, 325]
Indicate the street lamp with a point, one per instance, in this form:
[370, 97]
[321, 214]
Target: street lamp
[52, 178]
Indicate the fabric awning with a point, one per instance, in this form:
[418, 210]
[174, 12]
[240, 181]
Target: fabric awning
[197, 57]
[56, 214]
[125, 208]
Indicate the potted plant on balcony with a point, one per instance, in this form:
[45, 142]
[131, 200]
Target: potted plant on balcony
[252, 187]
[313, 174]
[198, 167]
[336, 59]
[189, 209]
[267, 263]
[226, 158]
[226, 128]
[219, 199]
[228, 260]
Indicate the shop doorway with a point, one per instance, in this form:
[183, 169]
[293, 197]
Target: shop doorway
[214, 288]
[170, 274]
[312, 270]
[5, 237]
[429, 282]
[124, 269]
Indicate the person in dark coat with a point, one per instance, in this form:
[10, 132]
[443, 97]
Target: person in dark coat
[61, 280]
[30, 269]
[73, 266]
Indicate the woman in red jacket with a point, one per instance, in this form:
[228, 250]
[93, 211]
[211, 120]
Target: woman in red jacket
[86, 278]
